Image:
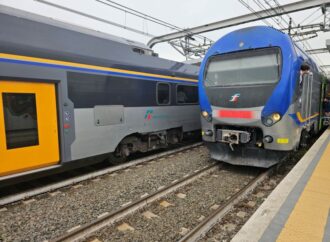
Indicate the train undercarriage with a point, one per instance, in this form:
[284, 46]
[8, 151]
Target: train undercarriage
[146, 142]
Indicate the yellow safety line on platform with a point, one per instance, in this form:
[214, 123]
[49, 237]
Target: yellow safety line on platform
[308, 219]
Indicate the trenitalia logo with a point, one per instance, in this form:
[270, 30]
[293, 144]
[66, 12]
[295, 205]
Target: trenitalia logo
[235, 97]
[148, 115]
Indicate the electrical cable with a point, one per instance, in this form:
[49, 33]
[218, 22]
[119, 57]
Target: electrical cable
[279, 10]
[309, 16]
[139, 14]
[94, 17]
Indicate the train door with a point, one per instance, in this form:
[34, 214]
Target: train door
[307, 98]
[325, 94]
[28, 126]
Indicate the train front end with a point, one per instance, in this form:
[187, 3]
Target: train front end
[246, 87]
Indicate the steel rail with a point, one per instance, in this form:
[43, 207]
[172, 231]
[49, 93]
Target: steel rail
[49, 188]
[207, 224]
[84, 231]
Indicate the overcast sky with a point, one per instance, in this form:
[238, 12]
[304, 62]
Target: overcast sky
[184, 13]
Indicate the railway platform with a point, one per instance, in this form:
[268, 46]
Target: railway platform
[299, 208]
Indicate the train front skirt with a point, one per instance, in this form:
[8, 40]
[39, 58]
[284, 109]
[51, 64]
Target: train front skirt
[249, 156]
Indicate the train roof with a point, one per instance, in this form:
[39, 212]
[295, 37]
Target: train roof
[257, 37]
[250, 38]
[29, 34]
[58, 23]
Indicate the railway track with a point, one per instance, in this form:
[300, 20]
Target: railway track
[219, 188]
[206, 225]
[66, 182]
[82, 232]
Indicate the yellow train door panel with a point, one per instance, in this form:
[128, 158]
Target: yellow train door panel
[28, 126]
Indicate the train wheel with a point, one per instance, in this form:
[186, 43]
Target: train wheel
[119, 155]
[116, 160]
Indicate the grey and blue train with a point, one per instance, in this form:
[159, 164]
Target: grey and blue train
[68, 93]
[260, 97]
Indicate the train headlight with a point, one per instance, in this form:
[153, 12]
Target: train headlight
[276, 117]
[207, 116]
[271, 119]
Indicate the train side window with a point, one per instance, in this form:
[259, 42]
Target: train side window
[163, 94]
[186, 94]
[21, 124]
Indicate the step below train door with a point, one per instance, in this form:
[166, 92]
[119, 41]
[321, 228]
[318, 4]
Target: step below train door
[28, 126]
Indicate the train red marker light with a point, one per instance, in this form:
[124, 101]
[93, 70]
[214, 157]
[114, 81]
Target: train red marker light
[66, 126]
[243, 114]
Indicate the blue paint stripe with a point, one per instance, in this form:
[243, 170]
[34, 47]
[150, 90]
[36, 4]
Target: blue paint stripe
[73, 68]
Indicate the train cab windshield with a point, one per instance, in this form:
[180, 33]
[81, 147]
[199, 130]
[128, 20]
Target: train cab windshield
[252, 67]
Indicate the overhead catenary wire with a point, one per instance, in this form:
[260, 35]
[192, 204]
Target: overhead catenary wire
[138, 14]
[253, 11]
[145, 32]
[304, 41]
[276, 9]
[147, 17]
[190, 45]
[93, 17]
[309, 16]
[316, 18]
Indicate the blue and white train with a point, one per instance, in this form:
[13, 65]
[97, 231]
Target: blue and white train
[260, 97]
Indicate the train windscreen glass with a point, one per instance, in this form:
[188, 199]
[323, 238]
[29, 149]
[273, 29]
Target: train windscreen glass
[244, 68]
[20, 120]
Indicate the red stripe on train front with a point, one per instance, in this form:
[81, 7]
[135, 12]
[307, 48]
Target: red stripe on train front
[235, 114]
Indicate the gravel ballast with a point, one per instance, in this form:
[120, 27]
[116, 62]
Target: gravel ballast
[185, 208]
[48, 216]
[227, 228]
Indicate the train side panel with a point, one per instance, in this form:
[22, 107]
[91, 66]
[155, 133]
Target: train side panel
[94, 139]
[92, 113]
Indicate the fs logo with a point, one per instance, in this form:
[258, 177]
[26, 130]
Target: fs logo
[235, 97]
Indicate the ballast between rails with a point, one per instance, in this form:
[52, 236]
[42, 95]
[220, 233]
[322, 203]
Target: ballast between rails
[207, 224]
[83, 232]
[70, 182]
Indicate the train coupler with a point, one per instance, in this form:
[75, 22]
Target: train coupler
[233, 136]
